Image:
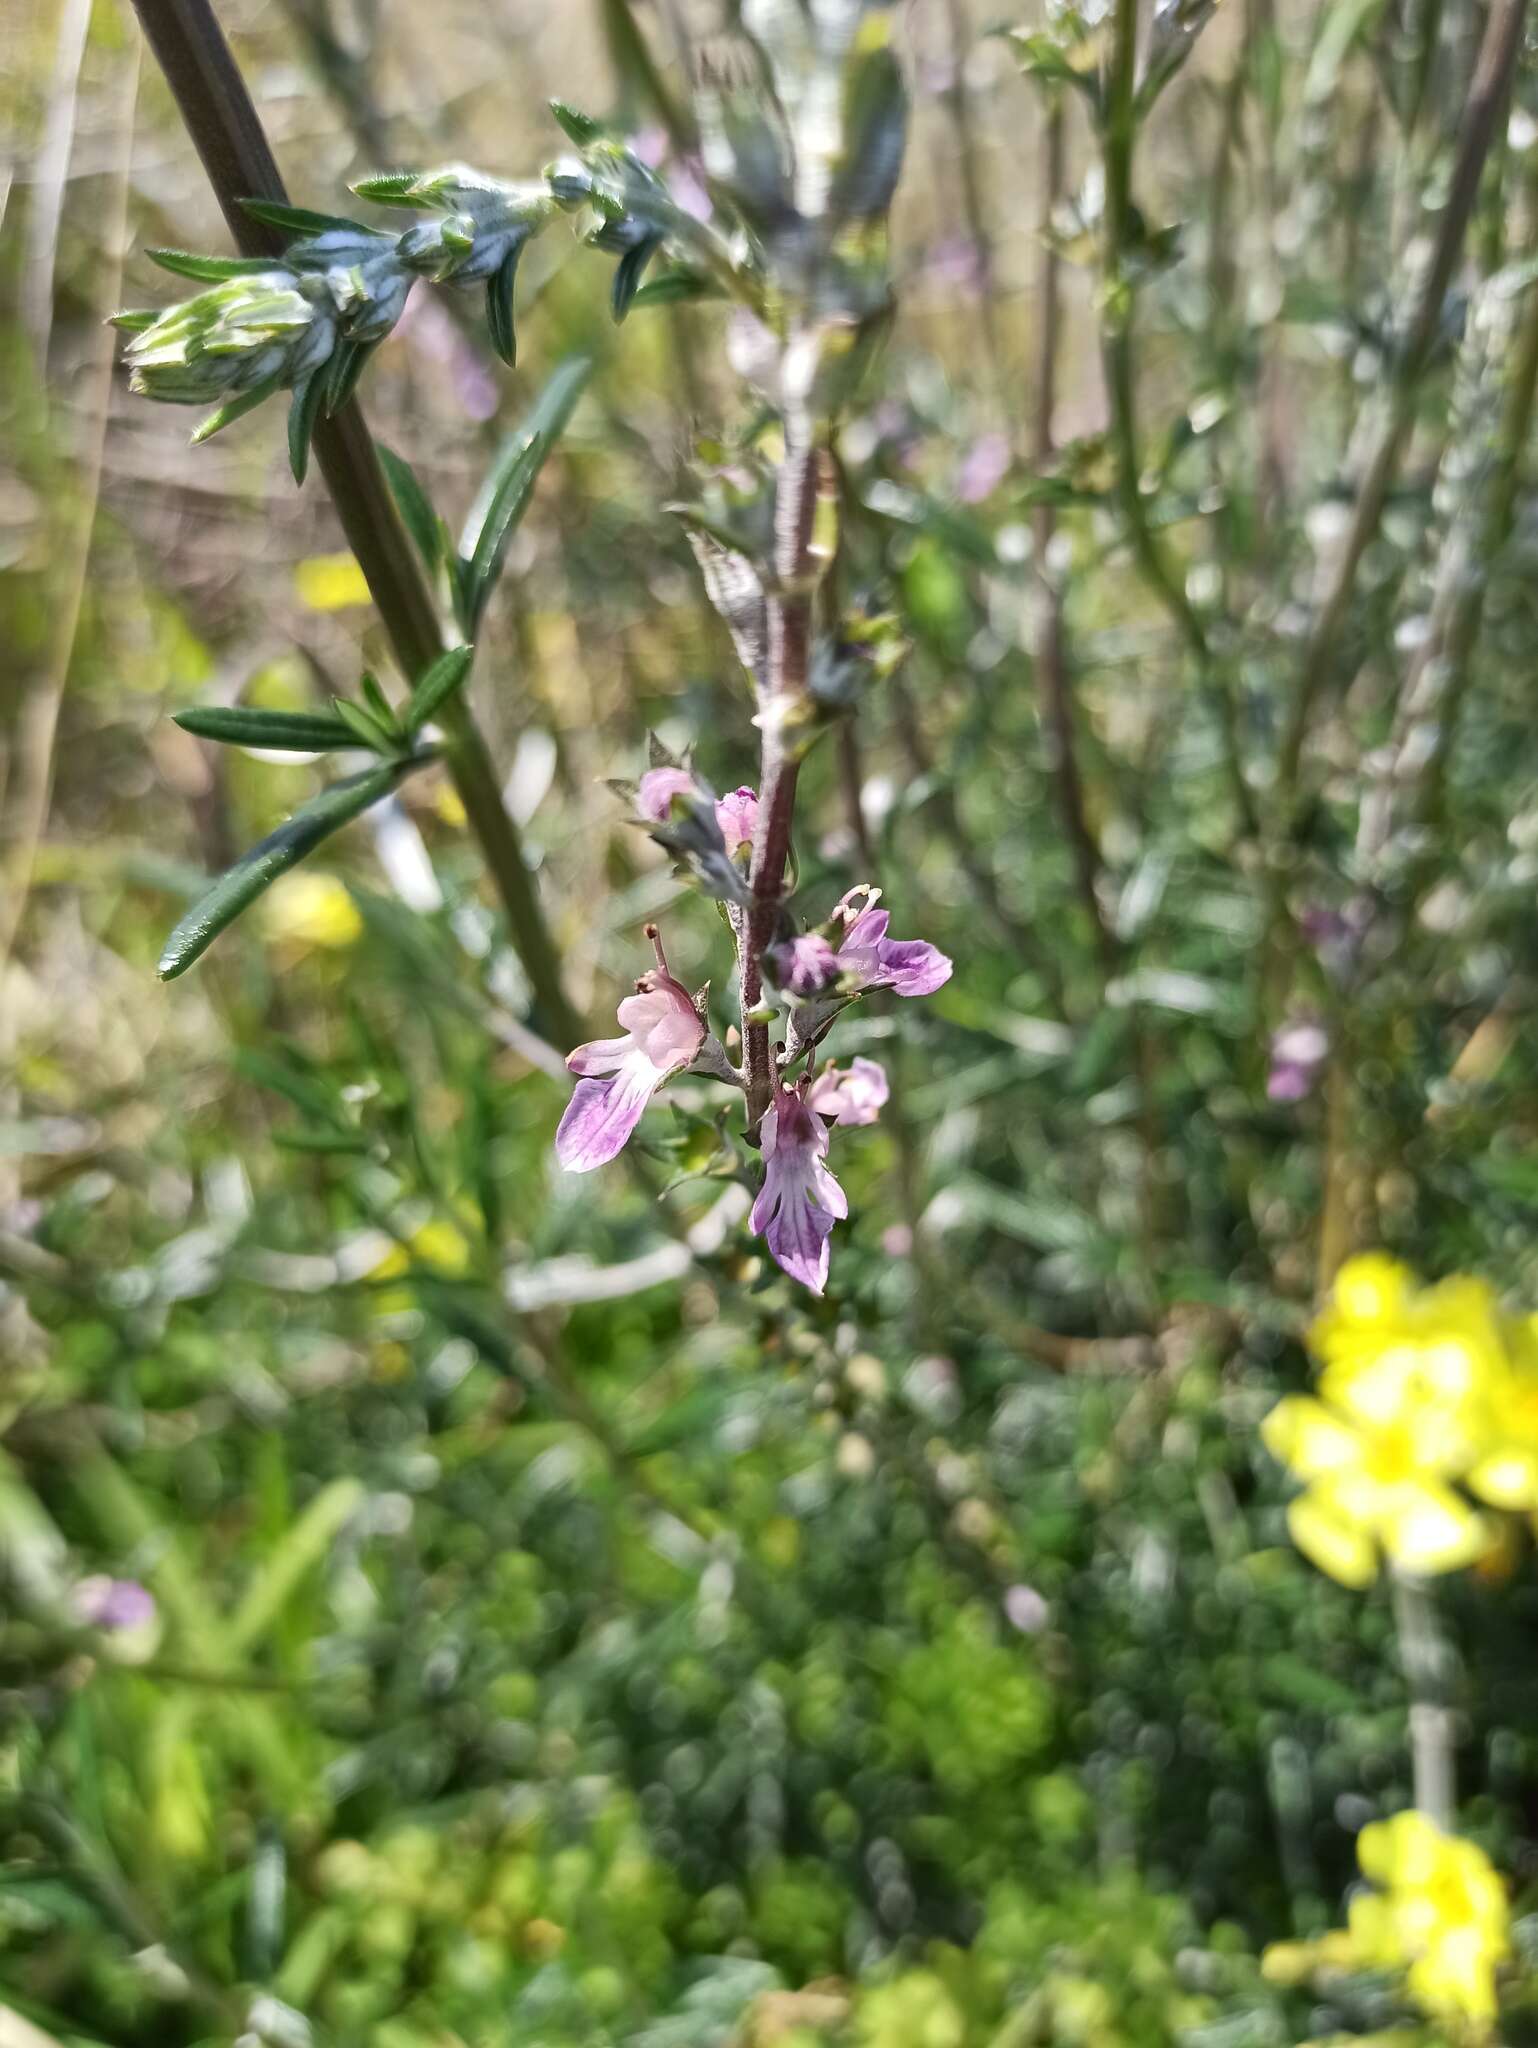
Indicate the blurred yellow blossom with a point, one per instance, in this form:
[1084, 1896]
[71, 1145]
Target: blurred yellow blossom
[304, 909]
[438, 1244]
[1438, 1913]
[330, 583]
[1419, 1387]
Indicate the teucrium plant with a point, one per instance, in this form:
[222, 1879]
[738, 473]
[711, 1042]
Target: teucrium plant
[801, 131]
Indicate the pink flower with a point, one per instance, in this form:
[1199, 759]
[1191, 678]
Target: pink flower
[869, 959]
[737, 815]
[656, 790]
[805, 964]
[852, 1098]
[1298, 1052]
[863, 959]
[800, 1200]
[663, 1033]
[107, 1603]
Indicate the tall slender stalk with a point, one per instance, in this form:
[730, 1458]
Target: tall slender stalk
[1051, 654]
[784, 688]
[228, 136]
[1121, 231]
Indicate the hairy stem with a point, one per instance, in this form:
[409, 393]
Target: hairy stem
[780, 702]
[228, 136]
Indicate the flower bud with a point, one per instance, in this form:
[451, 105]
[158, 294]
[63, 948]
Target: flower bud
[267, 327]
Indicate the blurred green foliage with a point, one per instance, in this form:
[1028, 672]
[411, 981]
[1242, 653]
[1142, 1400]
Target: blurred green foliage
[546, 1657]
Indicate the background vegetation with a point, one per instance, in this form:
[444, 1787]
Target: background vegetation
[564, 1633]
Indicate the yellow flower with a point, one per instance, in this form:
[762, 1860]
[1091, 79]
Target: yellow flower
[1407, 1399]
[330, 583]
[1506, 1475]
[1441, 1910]
[1373, 1488]
[1439, 1914]
[437, 1244]
[306, 910]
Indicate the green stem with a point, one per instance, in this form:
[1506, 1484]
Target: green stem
[1119, 139]
[228, 136]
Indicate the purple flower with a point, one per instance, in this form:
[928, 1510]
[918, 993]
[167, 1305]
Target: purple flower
[1298, 1051]
[657, 789]
[110, 1604]
[1025, 1610]
[737, 815]
[852, 1098]
[868, 959]
[804, 965]
[982, 469]
[862, 959]
[663, 1033]
[800, 1200]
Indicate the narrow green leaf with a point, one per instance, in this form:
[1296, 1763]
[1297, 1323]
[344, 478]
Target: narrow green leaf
[391, 188]
[130, 322]
[233, 409]
[675, 288]
[303, 412]
[340, 375]
[505, 493]
[287, 732]
[499, 307]
[376, 700]
[445, 676]
[414, 506]
[299, 220]
[209, 269]
[628, 273]
[577, 127]
[238, 887]
[371, 731]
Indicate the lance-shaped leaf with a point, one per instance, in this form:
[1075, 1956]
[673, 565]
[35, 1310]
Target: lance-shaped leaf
[238, 887]
[875, 128]
[505, 493]
[733, 586]
[499, 306]
[209, 269]
[676, 288]
[577, 127]
[436, 685]
[233, 409]
[628, 273]
[280, 732]
[304, 410]
[299, 220]
[415, 508]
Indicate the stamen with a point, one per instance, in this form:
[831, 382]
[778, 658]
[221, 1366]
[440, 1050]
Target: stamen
[662, 958]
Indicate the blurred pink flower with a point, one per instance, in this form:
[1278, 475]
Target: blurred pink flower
[1025, 1610]
[102, 1602]
[982, 469]
[1298, 1051]
[658, 787]
[854, 1097]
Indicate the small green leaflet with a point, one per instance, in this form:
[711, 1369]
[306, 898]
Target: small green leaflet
[238, 887]
[287, 732]
[437, 683]
[505, 493]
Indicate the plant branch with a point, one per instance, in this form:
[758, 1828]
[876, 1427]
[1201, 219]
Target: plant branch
[1121, 236]
[1482, 116]
[227, 134]
[779, 704]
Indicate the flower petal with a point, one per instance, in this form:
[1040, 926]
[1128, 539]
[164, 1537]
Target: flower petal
[1304, 1435]
[1339, 1547]
[600, 1055]
[601, 1114]
[913, 966]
